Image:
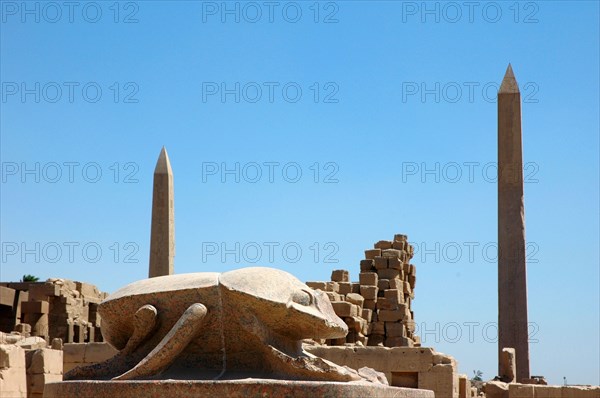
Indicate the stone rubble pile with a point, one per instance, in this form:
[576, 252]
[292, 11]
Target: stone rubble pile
[377, 309]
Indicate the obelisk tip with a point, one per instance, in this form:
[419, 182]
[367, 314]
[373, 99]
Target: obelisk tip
[163, 164]
[509, 83]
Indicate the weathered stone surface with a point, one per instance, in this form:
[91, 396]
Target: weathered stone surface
[508, 365]
[383, 244]
[383, 359]
[441, 379]
[496, 389]
[381, 263]
[162, 236]
[355, 299]
[340, 275]
[520, 391]
[367, 265]
[512, 279]
[369, 292]
[13, 381]
[242, 323]
[345, 287]
[388, 273]
[344, 308]
[372, 253]
[390, 315]
[368, 278]
[464, 387]
[230, 388]
[46, 360]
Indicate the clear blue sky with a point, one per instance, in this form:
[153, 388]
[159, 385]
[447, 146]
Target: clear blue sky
[389, 90]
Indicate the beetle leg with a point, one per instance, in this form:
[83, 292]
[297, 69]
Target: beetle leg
[180, 335]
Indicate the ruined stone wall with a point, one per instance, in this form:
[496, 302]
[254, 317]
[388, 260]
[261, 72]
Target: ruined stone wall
[57, 308]
[377, 308]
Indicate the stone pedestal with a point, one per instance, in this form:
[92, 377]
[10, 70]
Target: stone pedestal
[227, 388]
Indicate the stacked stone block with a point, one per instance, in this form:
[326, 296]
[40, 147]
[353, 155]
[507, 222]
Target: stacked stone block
[387, 282]
[13, 382]
[377, 309]
[347, 303]
[57, 308]
[44, 365]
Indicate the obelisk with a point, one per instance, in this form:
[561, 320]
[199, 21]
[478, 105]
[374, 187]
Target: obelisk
[512, 275]
[162, 237]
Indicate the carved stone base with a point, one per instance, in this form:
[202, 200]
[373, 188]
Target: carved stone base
[226, 388]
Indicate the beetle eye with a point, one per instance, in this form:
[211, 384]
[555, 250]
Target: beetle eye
[302, 297]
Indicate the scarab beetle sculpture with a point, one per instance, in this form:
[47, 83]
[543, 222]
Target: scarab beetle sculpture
[244, 323]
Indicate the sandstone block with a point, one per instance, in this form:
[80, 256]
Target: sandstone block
[370, 305]
[340, 275]
[42, 291]
[412, 270]
[57, 344]
[13, 382]
[372, 253]
[397, 284]
[385, 304]
[317, 285]
[332, 287]
[390, 315]
[400, 238]
[377, 328]
[578, 391]
[388, 273]
[410, 325]
[367, 314]
[464, 387]
[412, 280]
[36, 382]
[391, 253]
[359, 325]
[356, 287]
[375, 340]
[46, 360]
[11, 356]
[35, 307]
[399, 245]
[368, 278]
[397, 341]
[441, 379]
[369, 292]
[394, 263]
[520, 391]
[345, 287]
[381, 263]
[496, 389]
[74, 352]
[549, 392]
[23, 328]
[508, 365]
[383, 284]
[344, 309]
[367, 265]
[383, 244]
[395, 329]
[394, 295]
[406, 288]
[333, 296]
[87, 289]
[7, 296]
[356, 299]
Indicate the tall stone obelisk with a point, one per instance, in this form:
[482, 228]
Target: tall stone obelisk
[162, 237]
[512, 274]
